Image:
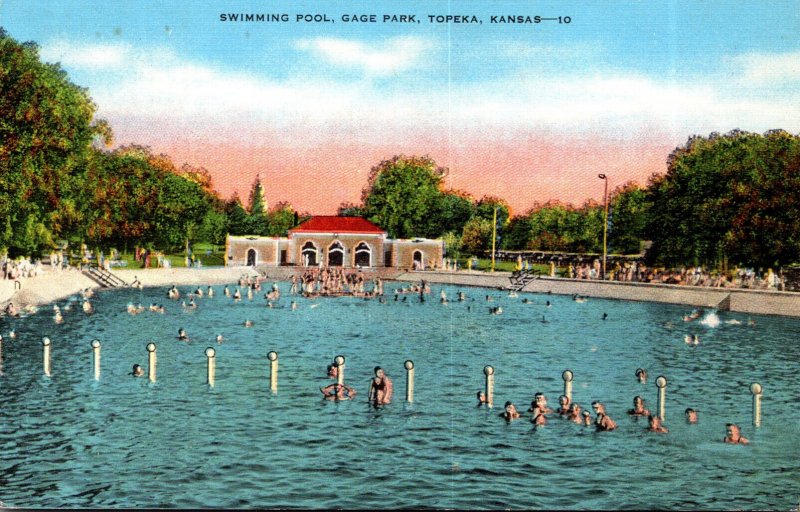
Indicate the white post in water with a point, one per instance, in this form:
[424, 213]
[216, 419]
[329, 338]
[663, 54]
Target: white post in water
[661, 382]
[151, 362]
[273, 371]
[409, 380]
[96, 352]
[757, 390]
[489, 372]
[211, 354]
[567, 376]
[46, 355]
[340, 372]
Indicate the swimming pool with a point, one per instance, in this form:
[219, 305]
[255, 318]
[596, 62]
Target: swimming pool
[71, 441]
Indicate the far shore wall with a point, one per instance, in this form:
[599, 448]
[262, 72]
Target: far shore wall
[741, 300]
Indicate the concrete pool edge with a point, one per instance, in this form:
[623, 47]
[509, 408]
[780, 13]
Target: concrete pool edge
[761, 302]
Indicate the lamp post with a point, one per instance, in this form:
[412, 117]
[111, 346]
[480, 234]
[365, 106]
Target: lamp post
[605, 221]
[494, 234]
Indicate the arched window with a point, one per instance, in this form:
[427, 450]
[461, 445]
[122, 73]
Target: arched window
[251, 257]
[336, 254]
[363, 255]
[309, 254]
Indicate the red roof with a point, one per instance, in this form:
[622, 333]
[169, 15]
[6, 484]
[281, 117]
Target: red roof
[335, 224]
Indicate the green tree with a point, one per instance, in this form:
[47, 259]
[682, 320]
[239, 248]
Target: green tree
[452, 209]
[402, 193]
[46, 132]
[237, 216]
[348, 209]
[281, 219]
[628, 210]
[257, 218]
[477, 236]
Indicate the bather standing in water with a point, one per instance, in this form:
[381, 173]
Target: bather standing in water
[734, 435]
[655, 425]
[380, 391]
[510, 412]
[638, 407]
[602, 421]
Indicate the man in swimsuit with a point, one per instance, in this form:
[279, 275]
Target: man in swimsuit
[655, 425]
[691, 415]
[510, 413]
[638, 407]
[338, 392]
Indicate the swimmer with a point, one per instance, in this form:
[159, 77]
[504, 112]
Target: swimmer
[564, 405]
[249, 294]
[512, 294]
[210, 292]
[489, 298]
[510, 412]
[605, 316]
[248, 323]
[655, 425]
[544, 320]
[548, 304]
[12, 334]
[641, 375]
[587, 419]
[57, 318]
[333, 370]
[294, 305]
[751, 322]
[338, 392]
[226, 291]
[173, 293]
[481, 398]
[11, 310]
[380, 390]
[137, 371]
[87, 307]
[182, 335]
[539, 405]
[461, 297]
[575, 414]
[734, 435]
[602, 421]
[638, 407]
[237, 295]
[691, 415]
[526, 301]
[538, 418]
[220, 339]
[199, 292]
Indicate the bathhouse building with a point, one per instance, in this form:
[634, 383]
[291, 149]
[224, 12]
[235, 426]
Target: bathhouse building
[349, 242]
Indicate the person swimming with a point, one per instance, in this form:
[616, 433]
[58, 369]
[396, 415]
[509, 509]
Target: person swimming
[338, 392]
[734, 435]
[182, 335]
[137, 371]
[654, 425]
[638, 407]
[691, 415]
[602, 421]
[641, 375]
[510, 412]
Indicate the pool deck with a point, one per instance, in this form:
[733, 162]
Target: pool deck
[53, 286]
[739, 300]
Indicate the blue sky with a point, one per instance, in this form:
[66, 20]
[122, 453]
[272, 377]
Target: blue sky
[647, 73]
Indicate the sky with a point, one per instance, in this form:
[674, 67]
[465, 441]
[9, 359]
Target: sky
[526, 112]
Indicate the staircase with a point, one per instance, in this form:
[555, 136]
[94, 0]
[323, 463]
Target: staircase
[103, 277]
[520, 278]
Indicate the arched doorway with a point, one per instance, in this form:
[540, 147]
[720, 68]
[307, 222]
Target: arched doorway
[363, 255]
[251, 257]
[336, 254]
[309, 254]
[418, 262]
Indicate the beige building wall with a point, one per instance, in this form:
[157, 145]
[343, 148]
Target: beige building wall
[428, 252]
[266, 250]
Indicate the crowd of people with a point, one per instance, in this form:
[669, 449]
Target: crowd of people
[602, 422]
[327, 281]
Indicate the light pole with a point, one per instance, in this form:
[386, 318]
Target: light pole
[605, 221]
[494, 234]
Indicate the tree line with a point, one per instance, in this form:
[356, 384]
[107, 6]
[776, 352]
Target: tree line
[724, 199]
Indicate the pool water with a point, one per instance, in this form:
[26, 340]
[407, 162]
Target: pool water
[71, 441]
